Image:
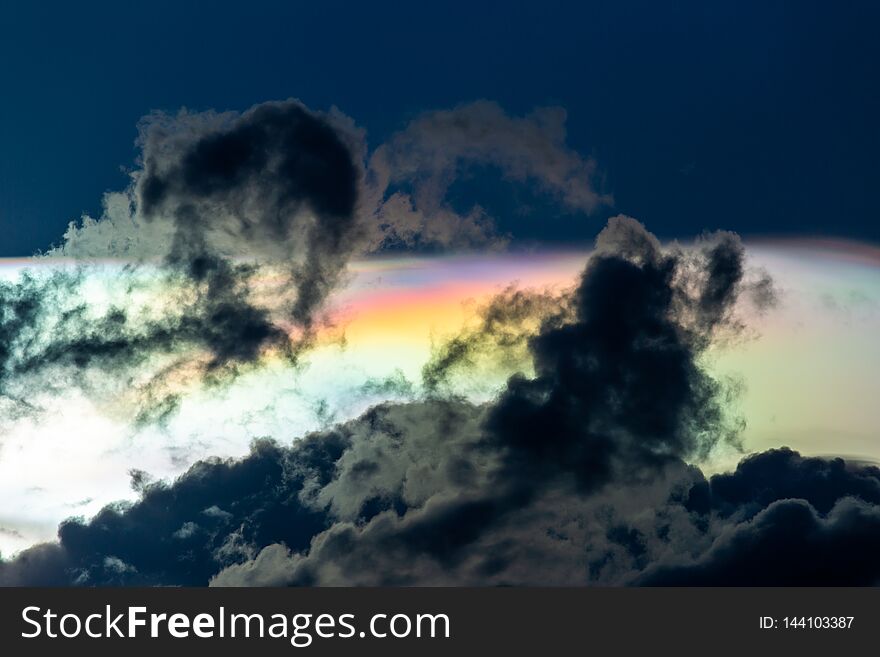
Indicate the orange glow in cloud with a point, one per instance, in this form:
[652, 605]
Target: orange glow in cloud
[409, 302]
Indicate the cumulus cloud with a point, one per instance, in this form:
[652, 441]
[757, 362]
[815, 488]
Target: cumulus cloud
[783, 520]
[584, 472]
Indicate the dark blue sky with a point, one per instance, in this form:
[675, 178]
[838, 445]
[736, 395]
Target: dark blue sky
[758, 117]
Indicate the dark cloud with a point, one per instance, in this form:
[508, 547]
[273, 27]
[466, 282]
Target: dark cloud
[781, 519]
[621, 386]
[781, 474]
[40, 565]
[253, 218]
[788, 543]
[279, 178]
[279, 183]
[277, 149]
[577, 474]
[147, 537]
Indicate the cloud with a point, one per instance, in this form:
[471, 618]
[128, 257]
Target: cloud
[437, 145]
[279, 180]
[787, 544]
[412, 172]
[278, 184]
[583, 469]
[399, 221]
[496, 339]
[54, 338]
[147, 537]
[248, 221]
[780, 474]
[581, 473]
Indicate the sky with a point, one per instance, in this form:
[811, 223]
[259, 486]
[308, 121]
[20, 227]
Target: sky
[401, 294]
[755, 115]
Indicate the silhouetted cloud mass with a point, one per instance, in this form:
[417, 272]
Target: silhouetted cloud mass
[278, 185]
[580, 473]
[248, 221]
[278, 180]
